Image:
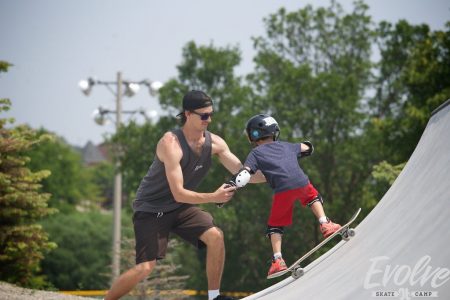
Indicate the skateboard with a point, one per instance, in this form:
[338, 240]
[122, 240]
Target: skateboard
[345, 232]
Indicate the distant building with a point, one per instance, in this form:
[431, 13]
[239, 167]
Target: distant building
[94, 154]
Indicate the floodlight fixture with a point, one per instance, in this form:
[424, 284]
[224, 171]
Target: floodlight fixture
[99, 116]
[131, 88]
[86, 85]
[154, 87]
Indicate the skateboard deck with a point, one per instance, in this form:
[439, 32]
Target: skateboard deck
[346, 232]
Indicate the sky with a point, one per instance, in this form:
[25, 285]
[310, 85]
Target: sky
[54, 44]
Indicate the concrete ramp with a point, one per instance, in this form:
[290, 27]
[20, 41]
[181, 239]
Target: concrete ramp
[402, 248]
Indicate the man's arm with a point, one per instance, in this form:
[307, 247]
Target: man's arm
[226, 157]
[229, 160]
[169, 152]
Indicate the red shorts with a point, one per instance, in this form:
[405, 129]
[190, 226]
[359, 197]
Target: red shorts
[283, 204]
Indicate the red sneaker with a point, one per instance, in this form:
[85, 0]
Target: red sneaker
[329, 228]
[278, 265]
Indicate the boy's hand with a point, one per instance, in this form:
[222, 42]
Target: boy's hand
[310, 149]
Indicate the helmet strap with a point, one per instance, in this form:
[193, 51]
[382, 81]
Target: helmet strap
[276, 136]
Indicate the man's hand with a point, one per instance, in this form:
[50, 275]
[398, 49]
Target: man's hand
[224, 194]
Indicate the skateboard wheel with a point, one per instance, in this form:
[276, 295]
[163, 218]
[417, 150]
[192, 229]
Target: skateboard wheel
[298, 272]
[347, 234]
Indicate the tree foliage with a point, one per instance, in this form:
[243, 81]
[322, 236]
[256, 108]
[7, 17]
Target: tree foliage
[71, 182]
[381, 179]
[23, 242]
[412, 80]
[38, 170]
[82, 259]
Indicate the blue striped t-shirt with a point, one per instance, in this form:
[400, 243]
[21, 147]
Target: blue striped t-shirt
[278, 161]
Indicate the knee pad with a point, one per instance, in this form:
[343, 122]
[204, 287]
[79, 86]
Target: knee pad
[317, 198]
[274, 229]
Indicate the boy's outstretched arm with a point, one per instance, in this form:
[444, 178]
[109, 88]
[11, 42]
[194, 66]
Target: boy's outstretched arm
[257, 177]
[246, 175]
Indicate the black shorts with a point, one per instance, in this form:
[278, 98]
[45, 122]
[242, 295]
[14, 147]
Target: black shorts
[152, 230]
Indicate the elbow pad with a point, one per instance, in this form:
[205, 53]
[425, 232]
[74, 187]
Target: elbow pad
[241, 178]
[310, 150]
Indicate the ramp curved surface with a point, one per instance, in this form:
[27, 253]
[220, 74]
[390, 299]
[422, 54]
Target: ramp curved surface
[401, 249]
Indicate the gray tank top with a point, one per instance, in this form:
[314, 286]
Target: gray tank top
[154, 195]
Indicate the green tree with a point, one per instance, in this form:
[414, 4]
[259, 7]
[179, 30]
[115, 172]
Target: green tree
[382, 177]
[413, 79]
[102, 176]
[23, 242]
[4, 65]
[71, 182]
[82, 259]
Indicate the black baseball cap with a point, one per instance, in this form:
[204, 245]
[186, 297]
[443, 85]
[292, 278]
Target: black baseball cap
[195, 100]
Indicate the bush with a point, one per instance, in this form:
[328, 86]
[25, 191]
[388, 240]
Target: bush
[83, 257]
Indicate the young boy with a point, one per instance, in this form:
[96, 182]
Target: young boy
[278, 161]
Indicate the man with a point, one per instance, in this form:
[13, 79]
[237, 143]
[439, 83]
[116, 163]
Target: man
[166, 199]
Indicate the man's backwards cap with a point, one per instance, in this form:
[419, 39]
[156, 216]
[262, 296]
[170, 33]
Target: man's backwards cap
[195, 100]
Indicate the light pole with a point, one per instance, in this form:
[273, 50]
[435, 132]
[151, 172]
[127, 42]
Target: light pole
[131, 87]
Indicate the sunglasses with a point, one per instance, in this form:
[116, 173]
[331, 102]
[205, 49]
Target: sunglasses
[203, 116]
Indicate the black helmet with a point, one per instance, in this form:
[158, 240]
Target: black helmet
[261, 126]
